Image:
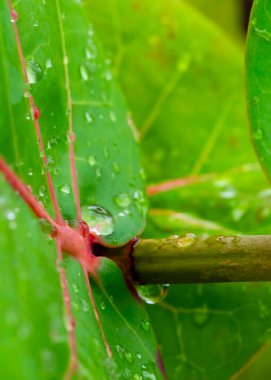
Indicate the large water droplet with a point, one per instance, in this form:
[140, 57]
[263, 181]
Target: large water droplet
[34, 72]
[152, 294]
[99, 220]
[123, 200]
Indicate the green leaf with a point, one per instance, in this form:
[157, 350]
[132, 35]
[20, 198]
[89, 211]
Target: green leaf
[258, 80]
[70, 94]
[70, 82]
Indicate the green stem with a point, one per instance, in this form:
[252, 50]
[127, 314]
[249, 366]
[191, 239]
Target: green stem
[194, 259]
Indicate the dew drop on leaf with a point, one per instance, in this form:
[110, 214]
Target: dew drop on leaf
[34, 72]
[122, 200]
[75, 288]
[99, 220]
[113, 116]
[88, 117]
[129, 356]
[201, 316]
[153, 293]
[145, 325]
[120, 351]
[83, 73]
[66, 189]
[91, 160]
[48, 63]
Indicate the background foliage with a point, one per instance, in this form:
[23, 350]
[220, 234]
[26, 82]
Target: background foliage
[180, 67]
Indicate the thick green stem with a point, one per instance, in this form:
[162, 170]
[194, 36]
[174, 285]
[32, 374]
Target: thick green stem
[194, 259]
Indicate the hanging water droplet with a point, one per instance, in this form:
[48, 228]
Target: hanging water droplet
[88, 117]
[153, 293]
[66, 189]
[92, 160]
[139, 356]
[34, 72]
[99, 220]
[83, 73]
[102, 305]
[122, 200]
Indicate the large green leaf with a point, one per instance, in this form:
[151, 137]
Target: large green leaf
[258, 80]
[71, 86]
[71, 82]
[193, 123]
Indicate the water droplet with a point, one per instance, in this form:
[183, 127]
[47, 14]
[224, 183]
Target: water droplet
[91, 160]
[116, 168]
[129, 356]
[113, 116]
[66, 60]
[36, 113]
[42, 191]
[263, 33]
[146, 326]
[258, 135]
[99, 220]
[201, 316]
[14, 16]
[137, 377]
[45, 226]
[102, 305]
[186, 241]
[108, 75]
[36, 24]
[34, 72]
[88, 117]
[48, 63]
[120, 351]
[148, 376]
[139, 356]
[122, 200]
[66, 189]
[152, 294]
[98, 172]
[75, 288]
[228, 193]
[83, 73]
[10, 215]
[85, 306]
